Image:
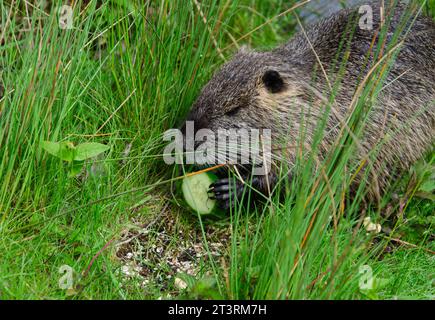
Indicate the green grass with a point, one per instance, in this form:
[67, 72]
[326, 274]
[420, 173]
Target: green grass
[122, 76]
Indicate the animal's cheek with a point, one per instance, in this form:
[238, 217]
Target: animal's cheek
[214, 125]
[244, 125]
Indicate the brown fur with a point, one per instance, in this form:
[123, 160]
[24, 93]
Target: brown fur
[402, 119]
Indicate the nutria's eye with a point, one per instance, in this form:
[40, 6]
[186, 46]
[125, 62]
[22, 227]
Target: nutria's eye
[232, 112]
[273, 81]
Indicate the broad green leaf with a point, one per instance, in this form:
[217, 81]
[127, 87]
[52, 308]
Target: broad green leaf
[76, 168]
[429, 185]
[89, 150]
[62, 150]
[51, 147]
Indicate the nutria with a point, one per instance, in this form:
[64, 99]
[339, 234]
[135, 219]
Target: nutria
[281, 88]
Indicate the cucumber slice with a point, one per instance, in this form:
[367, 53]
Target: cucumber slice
[195, 194]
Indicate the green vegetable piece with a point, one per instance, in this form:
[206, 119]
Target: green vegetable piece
[195, 191]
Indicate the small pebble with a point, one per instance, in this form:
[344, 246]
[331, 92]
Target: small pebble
[180, 284]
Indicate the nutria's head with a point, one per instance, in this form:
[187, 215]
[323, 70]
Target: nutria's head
[252, 91]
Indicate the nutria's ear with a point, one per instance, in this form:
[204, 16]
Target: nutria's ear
[273, 81]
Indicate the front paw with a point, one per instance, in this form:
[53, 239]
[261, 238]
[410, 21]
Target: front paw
[226, 191]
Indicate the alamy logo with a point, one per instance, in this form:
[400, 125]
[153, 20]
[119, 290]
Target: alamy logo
[366, 20]
[66, 281]
[66, 17]
[226, 146]
[366, 279]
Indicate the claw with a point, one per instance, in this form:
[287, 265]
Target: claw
[222, 188]
[220, 182]
[222, 196]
